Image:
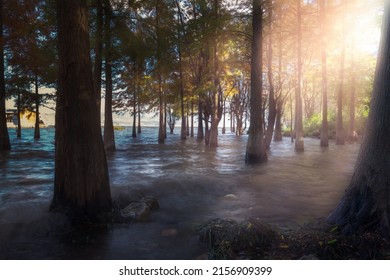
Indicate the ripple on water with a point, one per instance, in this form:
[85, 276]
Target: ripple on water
[191, 182]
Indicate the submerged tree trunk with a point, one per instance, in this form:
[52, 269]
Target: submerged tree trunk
[4, 137]
[19, 128]
[139, 130]
[215, 102]
[134, 132]
[109, 137]
[271, 98]
[324, 82]
[255, 149]
[200, 134]
[366, 203]
[37, 133]
[81, 183]
[192, 119]
[299, 144]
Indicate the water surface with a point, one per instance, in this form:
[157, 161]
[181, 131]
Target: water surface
[191, 182]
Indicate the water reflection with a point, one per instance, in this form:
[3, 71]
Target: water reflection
[191, 182]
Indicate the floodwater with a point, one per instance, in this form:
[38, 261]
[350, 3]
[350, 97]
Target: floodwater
[191, 182]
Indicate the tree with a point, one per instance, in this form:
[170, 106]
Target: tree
[271, 98]
[340, 137]
[299, 145]
[97, 70]
[81, 183]
[4, 137]
[324, 83]
[109, 137]
[366, 203]
[255, 149]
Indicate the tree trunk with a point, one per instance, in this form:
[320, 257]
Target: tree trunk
[255, 150]
[19, 128]
[271, 98]
[81, 182]
[37, 133]
[109, 137]
[161, 134]
[192, 119]
[366, 203]
[97, 74]
[352, 135]
[278, 136]
[340, 136]
[4, 137]
[200, 134]
[324, 81]
[299, 144]
[134, 132]
[139, 130]
[213, 139]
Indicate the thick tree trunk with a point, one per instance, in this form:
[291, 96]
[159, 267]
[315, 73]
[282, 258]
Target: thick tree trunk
[299, 144]
[37, 133]
[4, 137]
[366, 203]
[97, 74]
[255, 150]
[271, 98]
[324, 82]
[109, 136]
[213, 138]
[81, 184]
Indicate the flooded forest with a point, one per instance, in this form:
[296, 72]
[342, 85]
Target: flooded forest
[194, 129]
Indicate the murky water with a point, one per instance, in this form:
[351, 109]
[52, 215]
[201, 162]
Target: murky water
[191, 182]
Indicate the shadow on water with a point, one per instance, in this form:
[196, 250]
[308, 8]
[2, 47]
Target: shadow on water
[192, 184]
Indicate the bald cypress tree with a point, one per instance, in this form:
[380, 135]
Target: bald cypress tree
[366, 203]
[81, 184]
[4, 137]
[255, 149]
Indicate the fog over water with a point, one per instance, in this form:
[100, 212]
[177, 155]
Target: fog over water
[191, 182]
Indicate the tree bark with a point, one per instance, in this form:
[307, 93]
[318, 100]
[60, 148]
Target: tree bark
[271, 98]
[255, 150]
[200, 134]
[139, 130]
[324, 82]
[215, 104]
[81, 183]
[109, 136]
[352, 136]
[97, 74]
[37, 133]
[19, 128]
[4, 137]
[278, 136]
[366, 203]
[340, 134]
[299, 144]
